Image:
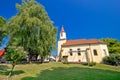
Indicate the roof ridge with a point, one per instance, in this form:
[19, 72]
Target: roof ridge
[82, 41]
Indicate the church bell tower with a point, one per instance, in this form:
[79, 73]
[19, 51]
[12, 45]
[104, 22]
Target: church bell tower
[62, 34]
[61, 41]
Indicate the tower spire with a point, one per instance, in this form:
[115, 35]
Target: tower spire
[62, 30]
[62, 34]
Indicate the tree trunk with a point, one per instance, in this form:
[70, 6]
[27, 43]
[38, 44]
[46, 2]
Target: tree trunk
[10, 73]
[36, 57]
[42, 59]
[30, 58]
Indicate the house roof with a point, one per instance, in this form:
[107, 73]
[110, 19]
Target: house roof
[2, 52]
[82, 42]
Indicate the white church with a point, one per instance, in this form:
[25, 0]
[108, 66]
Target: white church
[81, 50]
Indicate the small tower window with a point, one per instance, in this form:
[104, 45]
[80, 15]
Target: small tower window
[70, 52]
[95, 52]
[61, 34]
[78, 50]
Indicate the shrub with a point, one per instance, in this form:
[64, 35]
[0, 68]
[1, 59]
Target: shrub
[85, 63]
[113, 59]
[65, 62]
[92, 64]
[89, 64]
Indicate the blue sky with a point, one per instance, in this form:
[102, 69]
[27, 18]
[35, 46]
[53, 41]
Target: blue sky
[80, 18]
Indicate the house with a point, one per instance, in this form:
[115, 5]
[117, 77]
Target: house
[81, 50]
[2, 52]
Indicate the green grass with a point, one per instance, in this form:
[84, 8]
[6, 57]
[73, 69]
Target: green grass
[59, 71]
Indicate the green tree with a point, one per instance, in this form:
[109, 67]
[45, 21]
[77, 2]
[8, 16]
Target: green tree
[2, 23]
[32, 29]
[113, 45]
[15, 55]
[113, 59]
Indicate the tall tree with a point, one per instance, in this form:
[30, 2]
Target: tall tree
[2, 23]
[32, 29]
[113, 45]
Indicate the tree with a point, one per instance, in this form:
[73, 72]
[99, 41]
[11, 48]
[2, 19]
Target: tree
[113, 45]
[15, 55]
[113, 59]
[32, 29]
[2, 23]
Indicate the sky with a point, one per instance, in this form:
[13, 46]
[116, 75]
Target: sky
[81, 18]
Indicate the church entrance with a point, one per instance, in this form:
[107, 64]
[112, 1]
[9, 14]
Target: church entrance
[65, 58]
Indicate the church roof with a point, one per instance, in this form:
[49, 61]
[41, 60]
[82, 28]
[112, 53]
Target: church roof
[82, 42]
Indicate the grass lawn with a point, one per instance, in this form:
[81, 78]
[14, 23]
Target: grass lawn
[59, 71]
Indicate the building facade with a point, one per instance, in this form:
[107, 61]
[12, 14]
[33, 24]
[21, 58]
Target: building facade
[81, 50]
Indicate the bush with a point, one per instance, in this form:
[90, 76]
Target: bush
[65, 62]
[113, 59]
[92, 63]
[85, 63]
[89, 64]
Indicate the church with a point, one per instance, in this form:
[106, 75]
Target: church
[81, 50]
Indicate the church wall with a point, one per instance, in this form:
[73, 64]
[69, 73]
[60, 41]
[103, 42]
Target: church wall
[75, 57]
[104, 50]
[96, 58]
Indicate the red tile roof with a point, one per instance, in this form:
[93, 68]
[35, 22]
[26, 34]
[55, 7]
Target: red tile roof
[2, 52]
[82, 42]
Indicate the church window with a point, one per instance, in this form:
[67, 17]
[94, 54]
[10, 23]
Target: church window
[78, 50]
[105, 53]
[95, 52]
[71, 52]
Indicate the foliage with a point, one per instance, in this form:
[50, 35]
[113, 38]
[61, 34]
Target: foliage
[2, 32]
[89, 64]
[15, 55]
[32, 29]
[2, 21]
[113, 45]
[113, 59]
[92, 63]
[85, 63]
[65, 62]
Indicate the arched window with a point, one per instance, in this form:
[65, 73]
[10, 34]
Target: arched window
[95, 52]
[105, 53]
[78, 50]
